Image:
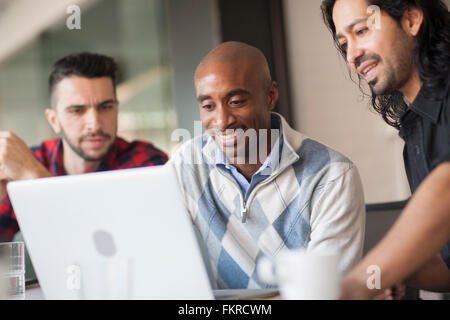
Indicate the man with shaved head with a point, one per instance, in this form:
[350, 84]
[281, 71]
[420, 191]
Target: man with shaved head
[253, 186]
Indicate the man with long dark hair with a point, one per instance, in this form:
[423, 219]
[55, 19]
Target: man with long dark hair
[401, 49]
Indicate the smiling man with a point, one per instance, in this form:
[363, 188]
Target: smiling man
[253, 186]
[405, 59]
[84, 112]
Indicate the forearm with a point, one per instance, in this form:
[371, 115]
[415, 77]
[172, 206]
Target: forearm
[36, 171]
[420, 233]
[433, 276]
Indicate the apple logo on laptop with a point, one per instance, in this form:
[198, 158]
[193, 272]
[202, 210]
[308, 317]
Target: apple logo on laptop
[104, 243]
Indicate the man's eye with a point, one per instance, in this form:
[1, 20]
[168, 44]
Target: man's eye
[343, 47]
[361, 31]
[237, 102]
[207, 107]
[75, 110]
[106, 107]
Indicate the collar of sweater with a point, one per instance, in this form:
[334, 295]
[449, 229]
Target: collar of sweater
[292, 143]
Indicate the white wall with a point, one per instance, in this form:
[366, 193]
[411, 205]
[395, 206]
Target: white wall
[328, 106]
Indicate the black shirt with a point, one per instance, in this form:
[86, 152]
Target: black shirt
[425, 128]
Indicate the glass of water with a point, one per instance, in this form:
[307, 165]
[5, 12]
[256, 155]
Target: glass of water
[12, 270]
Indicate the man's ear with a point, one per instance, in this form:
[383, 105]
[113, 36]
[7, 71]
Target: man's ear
[52, 119]
[412, 21]
[272, 97]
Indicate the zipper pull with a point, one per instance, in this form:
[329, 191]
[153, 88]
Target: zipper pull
[244, 213]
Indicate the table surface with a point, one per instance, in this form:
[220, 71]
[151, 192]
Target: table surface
[34, 292]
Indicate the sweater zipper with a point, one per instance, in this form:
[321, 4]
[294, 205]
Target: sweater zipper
[245, 204]
[244, 212]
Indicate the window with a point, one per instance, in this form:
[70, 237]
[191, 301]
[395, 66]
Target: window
[134, 33]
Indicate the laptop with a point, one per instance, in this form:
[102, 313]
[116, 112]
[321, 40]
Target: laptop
[114, 235]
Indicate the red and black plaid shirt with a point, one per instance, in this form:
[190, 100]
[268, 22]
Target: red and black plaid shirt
[123, 155]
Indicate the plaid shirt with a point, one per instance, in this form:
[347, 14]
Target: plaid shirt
[123, 155]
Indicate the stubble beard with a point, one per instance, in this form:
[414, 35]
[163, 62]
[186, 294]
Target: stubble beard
[80, 152]
[398, 69]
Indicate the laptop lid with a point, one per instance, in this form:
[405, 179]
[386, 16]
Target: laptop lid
[117, 234]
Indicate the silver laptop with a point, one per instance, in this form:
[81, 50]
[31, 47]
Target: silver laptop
[111, 235]
[115, 235]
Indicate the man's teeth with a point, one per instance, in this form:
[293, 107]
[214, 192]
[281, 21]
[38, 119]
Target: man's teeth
[366, 70]
[233, 134]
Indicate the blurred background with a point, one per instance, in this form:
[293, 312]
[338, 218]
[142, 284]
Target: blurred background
[158, 44]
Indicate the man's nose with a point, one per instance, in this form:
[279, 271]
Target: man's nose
[92, 119]
[224, 117]
[354, 52]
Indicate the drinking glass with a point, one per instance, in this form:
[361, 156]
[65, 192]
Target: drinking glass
[12, 270]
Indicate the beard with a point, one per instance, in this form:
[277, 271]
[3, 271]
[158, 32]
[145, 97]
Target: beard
[384, 86]
[395, 77]
[399, 67]
[80, 152]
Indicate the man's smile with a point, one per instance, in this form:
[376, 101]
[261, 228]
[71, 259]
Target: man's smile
[230, 137]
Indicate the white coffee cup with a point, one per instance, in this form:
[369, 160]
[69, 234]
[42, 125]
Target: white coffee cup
[302, 275]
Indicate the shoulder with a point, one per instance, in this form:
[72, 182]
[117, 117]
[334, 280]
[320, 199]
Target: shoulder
[45, 149]
[190, 163]
[189, 149]
[143, 153]
[46, 145]
[316, 158]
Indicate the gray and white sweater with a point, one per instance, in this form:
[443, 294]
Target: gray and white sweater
[313, 200]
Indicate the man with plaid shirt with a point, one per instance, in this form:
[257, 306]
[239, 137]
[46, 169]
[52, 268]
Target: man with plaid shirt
[84, 111]
[252, 185]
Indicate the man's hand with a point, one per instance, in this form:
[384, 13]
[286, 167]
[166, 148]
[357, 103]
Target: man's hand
[3, 183]
[395, 293]
[17, 162]
[356, 289]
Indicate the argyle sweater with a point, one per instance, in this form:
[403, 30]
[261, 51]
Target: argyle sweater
[313, 200]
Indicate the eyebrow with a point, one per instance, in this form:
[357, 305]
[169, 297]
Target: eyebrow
[97, 105]
[231, 93]
[202, 97]
[350, 27]
[236, 92]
